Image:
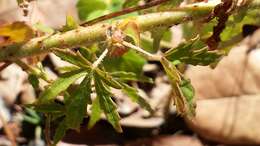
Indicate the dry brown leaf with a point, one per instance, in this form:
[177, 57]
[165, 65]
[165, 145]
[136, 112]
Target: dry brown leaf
[176, 140]
[233, 120]
[234, 116]
[237, 74]
[16, 32]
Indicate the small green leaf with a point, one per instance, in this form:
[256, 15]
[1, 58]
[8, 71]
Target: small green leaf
[188, 92]
[32, 113]
[64, 69]
[183, 92]
[108, 79]
[130, 76]
[204, 57]
[95, 113]
[33, 79]
[31, 116]
[170, 70]
[77, 106]
[43, 28]
[61, 84]
[193, 52]
[135, 97]
[181, 50]
[60, 132]
[70, 24]
[49, 108]
[87, 53]
[107, 105]
[71, 58]
[31, 120]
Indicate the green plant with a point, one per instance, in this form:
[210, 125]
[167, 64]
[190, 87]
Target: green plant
[108, 52]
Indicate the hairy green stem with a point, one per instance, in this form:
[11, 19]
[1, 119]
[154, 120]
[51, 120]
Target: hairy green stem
[100, 59]
[96, 33]
[147, 55]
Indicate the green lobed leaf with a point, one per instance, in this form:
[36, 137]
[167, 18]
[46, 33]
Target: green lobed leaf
[31, 116]
[64, 69]
[31, 120]
[34, 81]
[71, 58]
[170, 70]
[130, 76]
[77, 105]
[204, 57]
[190, 53]
[59, 85]
[182, 90]
[189, 93]
[135, 97]
[60, 132]
[87, 53]
[49, 108]
[95, 113]
[108, 79]
[107, 105]
[181, 50]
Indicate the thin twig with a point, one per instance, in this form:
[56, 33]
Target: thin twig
[47, 130]
[123, 12]
[4, 66]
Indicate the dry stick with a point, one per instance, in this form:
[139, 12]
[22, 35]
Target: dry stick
[123, 12]
[8, 131]
[4, 66]
[47, 130]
